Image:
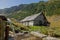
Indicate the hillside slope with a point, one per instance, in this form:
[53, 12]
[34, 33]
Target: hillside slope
[21, 11]
[50, 8]
[54, 20]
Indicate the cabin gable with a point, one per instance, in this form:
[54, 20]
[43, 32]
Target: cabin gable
[41, 20]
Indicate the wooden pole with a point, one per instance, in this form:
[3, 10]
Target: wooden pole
[3, 24]
[7, 33]
[1, 29]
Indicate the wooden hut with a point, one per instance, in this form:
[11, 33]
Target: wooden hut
[35, 20]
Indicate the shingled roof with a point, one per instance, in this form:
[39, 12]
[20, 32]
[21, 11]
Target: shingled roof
[32, 17]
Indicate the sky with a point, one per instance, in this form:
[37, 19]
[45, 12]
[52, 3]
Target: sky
[10, 3]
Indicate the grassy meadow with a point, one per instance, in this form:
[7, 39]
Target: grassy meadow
[53, 29]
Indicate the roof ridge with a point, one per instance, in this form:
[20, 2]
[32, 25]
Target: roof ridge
[32, 17]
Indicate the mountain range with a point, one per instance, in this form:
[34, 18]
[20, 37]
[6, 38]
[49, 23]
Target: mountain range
[51, 7]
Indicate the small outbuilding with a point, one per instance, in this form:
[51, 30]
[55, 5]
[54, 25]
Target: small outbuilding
[35, 20]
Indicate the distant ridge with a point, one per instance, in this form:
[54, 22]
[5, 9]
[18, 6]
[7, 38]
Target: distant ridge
[24, 10]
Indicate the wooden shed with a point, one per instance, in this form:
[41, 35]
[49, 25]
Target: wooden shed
[35, 20]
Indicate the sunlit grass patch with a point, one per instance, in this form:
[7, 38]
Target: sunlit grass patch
[41, 29]
[52, 31]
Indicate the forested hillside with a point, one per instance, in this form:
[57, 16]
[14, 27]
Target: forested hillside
[51, 7]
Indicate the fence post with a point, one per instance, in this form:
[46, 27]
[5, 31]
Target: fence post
[3, 24]
[6, 32]
[1, 29]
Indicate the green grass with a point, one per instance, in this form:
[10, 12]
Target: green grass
[53, 31]
[41, 29]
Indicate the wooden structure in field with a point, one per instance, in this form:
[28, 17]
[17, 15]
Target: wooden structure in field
[35, 20]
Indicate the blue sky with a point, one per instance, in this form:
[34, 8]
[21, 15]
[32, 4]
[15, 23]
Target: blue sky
[9, 3]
